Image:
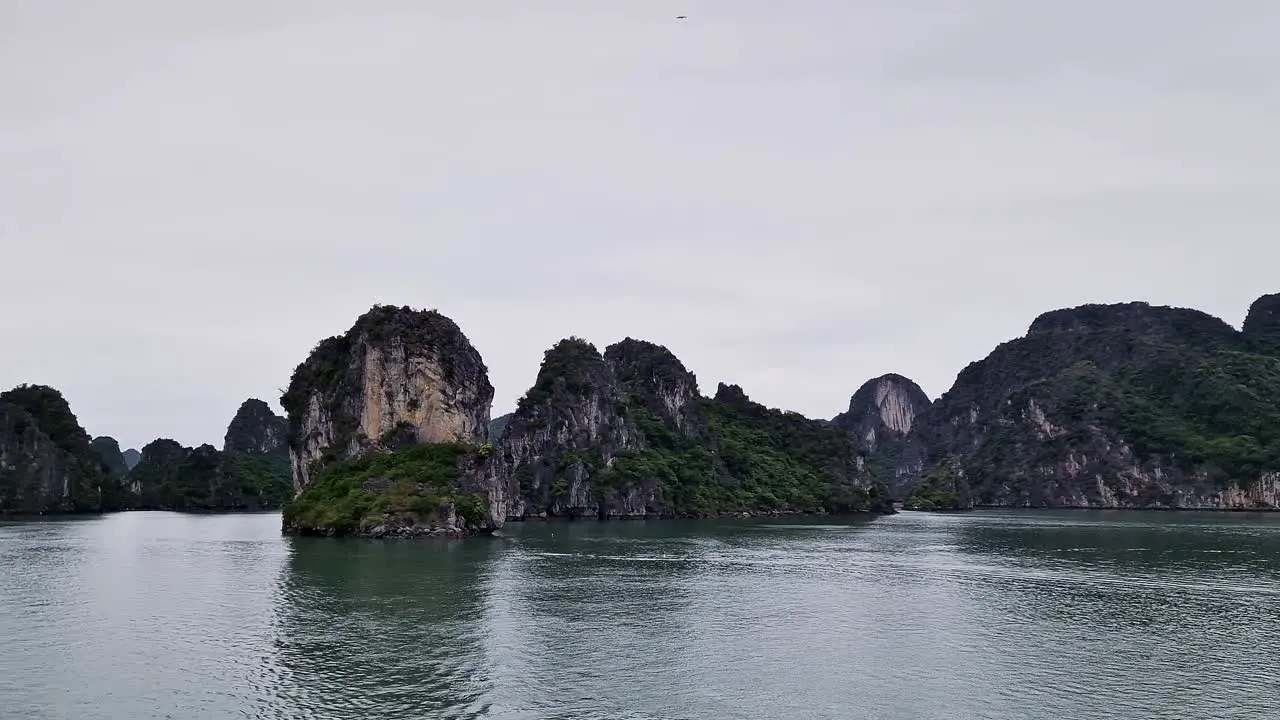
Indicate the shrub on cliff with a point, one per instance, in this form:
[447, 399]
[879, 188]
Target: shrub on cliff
[415, 484]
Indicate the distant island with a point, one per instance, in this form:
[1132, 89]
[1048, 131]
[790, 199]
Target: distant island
[53, 466]
[388, 433]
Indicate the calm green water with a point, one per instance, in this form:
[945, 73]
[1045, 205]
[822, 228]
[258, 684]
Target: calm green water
[985, 615]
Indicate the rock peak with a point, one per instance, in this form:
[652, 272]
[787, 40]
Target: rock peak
[732, 394]
[653, 376]
[255, 429]
[1262, 324]
[400, 374]
[887, 404]
[1139, 318]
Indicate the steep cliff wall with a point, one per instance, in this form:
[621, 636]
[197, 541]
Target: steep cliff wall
[108, 450]
[565, 435]
[398, 376]
[256, 430]
[387, 431]
[884, 415]
[1124, 406]
[47, 462]
[626, 434]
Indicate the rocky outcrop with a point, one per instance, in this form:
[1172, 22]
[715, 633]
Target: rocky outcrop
[882, 415]
[252, 472]
[47, 462]
[1262, 325]
[651, 377]
[397, 377]
[173, 477]
[255, 458]
[1121, 406]
[132, 457]
[387, 432]
[109, 452]
[565, 436]
[625, 434]
[256, 430]
[430, 490]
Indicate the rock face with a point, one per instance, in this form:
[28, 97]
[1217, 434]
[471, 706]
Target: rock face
[882, 415]
[565, 435]
[387, 432]
[1113, 406]
[625, 434]
[109, 451]
[131, 457]
[498, 426]
[255, 458]
[47, 462]
[652, 378]
[398, 376]
[256, 430]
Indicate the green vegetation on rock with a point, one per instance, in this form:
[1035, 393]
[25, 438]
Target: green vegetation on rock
[251, 473]
[49, 463]
[415, 487]
[751, 459]
[626, 434]
[1115, 406]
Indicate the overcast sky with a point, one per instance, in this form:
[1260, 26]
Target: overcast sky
[792, 196]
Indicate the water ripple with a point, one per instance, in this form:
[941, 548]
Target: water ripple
[998, 616]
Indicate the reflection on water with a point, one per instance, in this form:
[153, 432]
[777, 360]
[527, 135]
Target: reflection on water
[997, 615]
[382, 629]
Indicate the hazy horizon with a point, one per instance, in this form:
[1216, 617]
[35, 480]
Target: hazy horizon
[791, 198]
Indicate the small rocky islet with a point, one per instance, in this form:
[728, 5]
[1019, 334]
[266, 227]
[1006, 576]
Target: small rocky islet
[388, 433]
[49, 463]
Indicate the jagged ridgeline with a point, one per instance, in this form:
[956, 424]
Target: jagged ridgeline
[389, 435]
[47, 462]
[1118, 406]
[387, 431]
[626, 434]
[251, 472]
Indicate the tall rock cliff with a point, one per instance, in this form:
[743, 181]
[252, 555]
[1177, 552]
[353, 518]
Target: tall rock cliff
[255, 457]
[387, 431]
[47, 462]
[109, 452]
[398, 376]
[654, 379]
[566, 434]
[1113, 406]
[883, 415]
[256, 430]
[626, 434]
[132, 457]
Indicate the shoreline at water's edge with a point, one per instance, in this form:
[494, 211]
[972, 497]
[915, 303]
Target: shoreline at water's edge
[415, 533]
[91, 513]
[1143, 508]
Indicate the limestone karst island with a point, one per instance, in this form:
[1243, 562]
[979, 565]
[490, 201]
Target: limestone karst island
[389, 433]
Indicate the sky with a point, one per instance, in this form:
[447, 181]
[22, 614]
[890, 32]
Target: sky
[792, 196]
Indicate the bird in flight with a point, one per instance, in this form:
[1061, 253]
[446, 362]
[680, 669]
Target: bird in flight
[681, 17]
